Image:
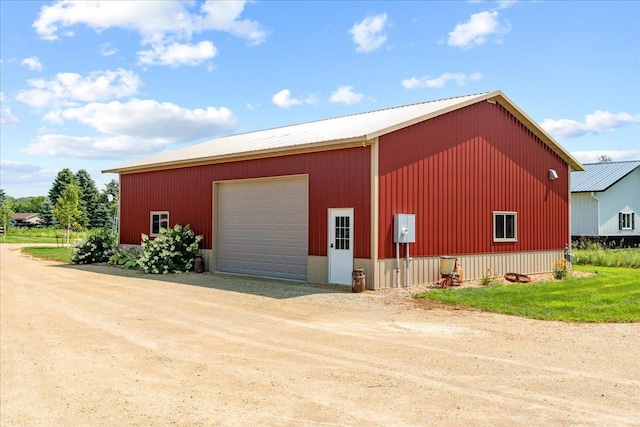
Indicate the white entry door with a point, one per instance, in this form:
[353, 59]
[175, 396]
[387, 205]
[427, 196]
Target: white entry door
[340, 246]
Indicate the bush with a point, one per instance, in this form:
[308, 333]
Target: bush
[125, 258]
[173, 251]
[560, 268]
[98, 246]
[487, 278]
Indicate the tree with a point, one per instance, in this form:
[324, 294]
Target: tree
[66, 209]
[64, 178]
[604, 159]
[47, 216]
[29, 204]
[5, 215]
[109, 197]
[88, 198]
[3, 196]
[101, 217]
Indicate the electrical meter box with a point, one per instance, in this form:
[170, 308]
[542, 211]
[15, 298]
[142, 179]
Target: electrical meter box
[404, 228]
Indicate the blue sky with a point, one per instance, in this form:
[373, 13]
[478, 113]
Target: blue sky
[92, 85]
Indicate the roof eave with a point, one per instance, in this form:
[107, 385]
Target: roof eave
[270, 152]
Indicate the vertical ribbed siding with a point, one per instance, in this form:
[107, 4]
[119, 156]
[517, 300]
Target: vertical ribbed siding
[337, 178]
[455, 170]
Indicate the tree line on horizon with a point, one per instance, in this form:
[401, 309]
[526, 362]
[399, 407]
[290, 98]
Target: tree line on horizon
[73, 200]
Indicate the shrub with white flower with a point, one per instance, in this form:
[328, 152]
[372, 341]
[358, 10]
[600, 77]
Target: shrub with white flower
[98, 246]
[172, 251]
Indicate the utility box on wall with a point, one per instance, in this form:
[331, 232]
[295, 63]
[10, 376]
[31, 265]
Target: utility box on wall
[404, 228]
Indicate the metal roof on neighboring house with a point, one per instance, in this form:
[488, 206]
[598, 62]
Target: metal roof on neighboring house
[325, 133]
[601, 176]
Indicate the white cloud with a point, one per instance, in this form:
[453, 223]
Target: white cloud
[149, 120]
[142, 16]
[283, 99]
[24, 178]
[111, 147]
[346, 95]
[476, 31]
[369, 35]
[67, 89]
[33, 63]
[616, 155]
[439, 82]
[6, 118]
[178, 54]
[224, 16]
[596, 122]
[11, 167]
[106, 49]
[312, 99]
[167, 26]
[503, 4]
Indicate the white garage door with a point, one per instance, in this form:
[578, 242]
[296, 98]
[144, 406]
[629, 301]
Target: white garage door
[262, 228]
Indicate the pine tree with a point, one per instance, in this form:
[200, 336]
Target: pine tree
[102, 217]
[112, 188]
[3, 196]
[88, 198]
[47, 216]
[64, 178]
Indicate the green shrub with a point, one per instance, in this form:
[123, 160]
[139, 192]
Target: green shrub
[172, 251]
[560, 268]
[98, 246]
[487, 278]
[127, 258]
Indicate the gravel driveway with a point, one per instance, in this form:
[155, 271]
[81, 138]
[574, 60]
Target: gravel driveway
[100, 346]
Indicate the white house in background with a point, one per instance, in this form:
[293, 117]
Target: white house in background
[26, 219]
[605, 202]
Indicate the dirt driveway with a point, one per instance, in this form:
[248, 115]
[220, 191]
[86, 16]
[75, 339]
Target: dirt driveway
[98, 346]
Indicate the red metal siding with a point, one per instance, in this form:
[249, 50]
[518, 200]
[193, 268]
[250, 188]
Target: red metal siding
[337, 178]
[454, 170]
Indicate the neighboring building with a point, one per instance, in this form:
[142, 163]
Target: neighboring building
[605, 202]
[314, 200]
[26, 219]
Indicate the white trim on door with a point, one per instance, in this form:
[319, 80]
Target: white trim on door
[340, 245]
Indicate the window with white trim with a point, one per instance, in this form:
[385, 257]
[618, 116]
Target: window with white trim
[505, 226]
[159, 219]
[626, 221]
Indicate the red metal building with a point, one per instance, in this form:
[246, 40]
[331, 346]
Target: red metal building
[313, 201]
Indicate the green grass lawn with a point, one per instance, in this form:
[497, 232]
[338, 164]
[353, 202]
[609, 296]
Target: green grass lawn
[611, 294]
[40, 235]
[32, 239]
[61, 254]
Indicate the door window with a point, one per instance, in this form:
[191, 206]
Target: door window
[342, 232]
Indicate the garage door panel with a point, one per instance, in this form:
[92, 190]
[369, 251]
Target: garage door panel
[263, 228]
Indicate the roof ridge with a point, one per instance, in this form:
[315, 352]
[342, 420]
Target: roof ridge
[612, 162]
[351, 115]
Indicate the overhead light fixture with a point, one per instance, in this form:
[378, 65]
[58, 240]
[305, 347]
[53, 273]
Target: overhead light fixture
[553, 174]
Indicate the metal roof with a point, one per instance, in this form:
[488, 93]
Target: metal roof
[601, 176]
[346, 129]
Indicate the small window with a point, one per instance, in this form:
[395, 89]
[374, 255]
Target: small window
[342, 232]
[626, 221]
[158, 220]
[505, 226]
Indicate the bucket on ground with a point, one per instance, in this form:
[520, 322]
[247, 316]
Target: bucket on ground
[358, 280]
[198, 264]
